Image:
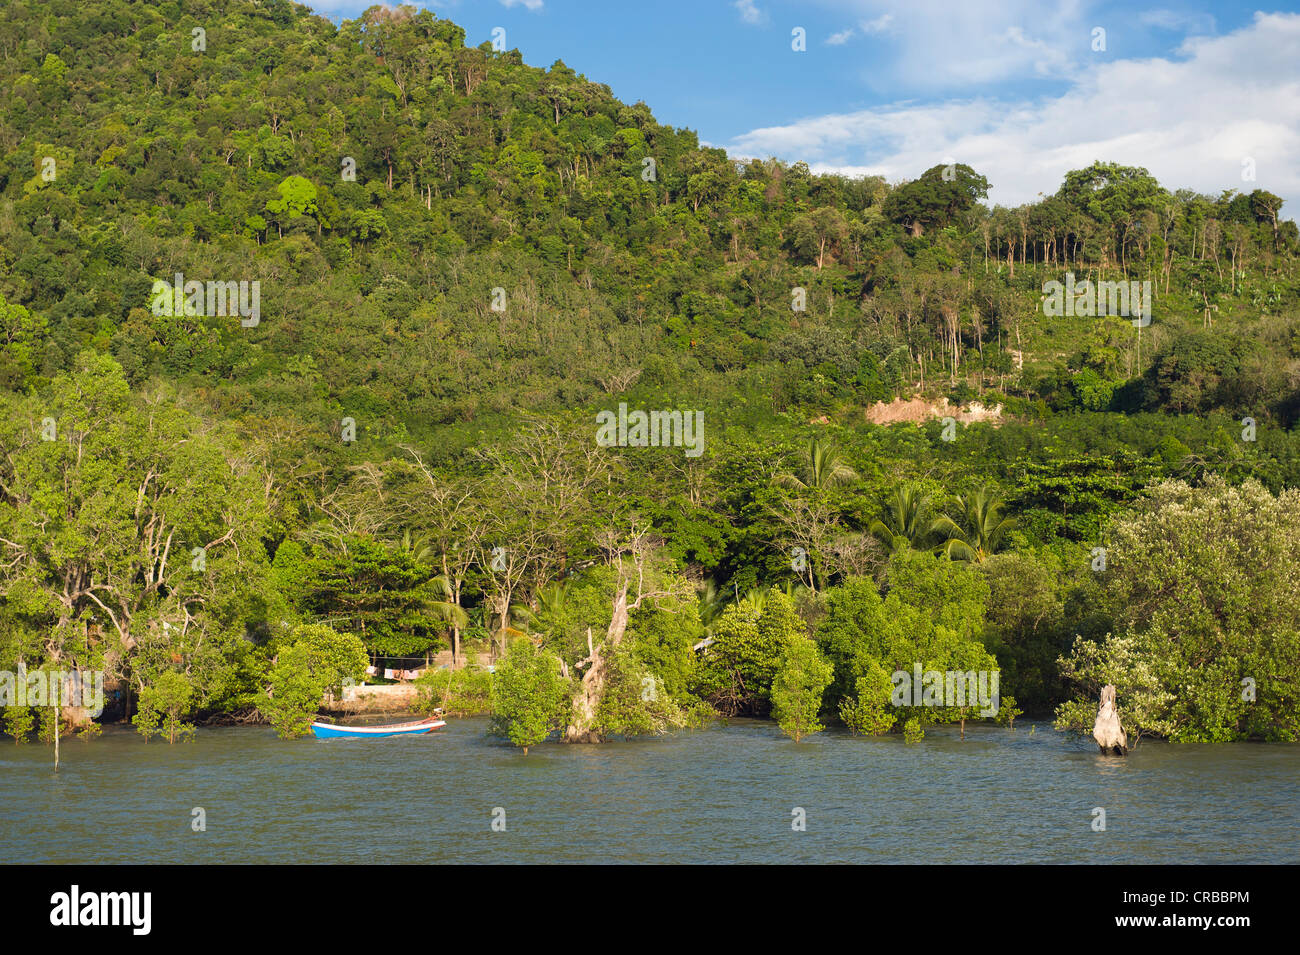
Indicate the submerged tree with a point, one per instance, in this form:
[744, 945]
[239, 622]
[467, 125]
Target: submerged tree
[802, 677]
[639, 571]
[750, 639]
[530, 695]
[316, 661]
[162, 704]
[1204, 588]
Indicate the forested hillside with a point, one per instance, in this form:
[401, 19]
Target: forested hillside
[461, 259]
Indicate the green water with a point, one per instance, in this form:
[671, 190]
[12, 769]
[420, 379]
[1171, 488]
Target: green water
[723, 794]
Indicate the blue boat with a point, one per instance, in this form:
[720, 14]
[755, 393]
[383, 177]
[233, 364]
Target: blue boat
[417, 728]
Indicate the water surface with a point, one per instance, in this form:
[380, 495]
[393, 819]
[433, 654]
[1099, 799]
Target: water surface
[721, 794]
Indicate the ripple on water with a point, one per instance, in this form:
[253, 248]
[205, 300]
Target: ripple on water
[721, 794]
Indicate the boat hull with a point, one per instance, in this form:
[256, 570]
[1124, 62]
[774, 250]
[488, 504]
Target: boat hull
[334, 731]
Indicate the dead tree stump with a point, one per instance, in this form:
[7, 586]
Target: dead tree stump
[1107, 731]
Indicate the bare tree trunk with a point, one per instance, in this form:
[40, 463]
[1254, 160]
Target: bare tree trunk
[582, 722]
[1107, 730]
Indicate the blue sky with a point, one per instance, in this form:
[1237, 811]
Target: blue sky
[1203, 94]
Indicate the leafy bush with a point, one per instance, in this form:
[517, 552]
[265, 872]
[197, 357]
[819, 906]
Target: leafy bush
[530, 698]
[801, 679]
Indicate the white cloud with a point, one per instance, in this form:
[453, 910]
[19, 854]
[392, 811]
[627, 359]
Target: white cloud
[941, 44]
[1178, 21]
[868, 27]
[749, 12]
[532, 5]
[878, 25]
[1190, 121]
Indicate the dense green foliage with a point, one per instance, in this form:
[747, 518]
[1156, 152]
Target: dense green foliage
[455, 692]
[316, 661]
[802, 676]
[1205, 598]
[461, 259]
[530, 697]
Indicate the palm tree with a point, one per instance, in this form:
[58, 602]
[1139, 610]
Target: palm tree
[484, 620]
[755, 599]
[551, 601]
[906, 520]
[711, 603]
[417, 547]
[980, 530]
[824, 468]
[444, 610]
[419, 550]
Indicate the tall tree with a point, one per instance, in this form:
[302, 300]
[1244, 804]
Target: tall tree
[980, 528]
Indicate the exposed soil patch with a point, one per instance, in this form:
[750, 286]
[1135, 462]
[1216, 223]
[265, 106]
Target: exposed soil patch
[916, 410]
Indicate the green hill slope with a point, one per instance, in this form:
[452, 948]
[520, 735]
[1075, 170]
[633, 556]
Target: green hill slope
[420, 271]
